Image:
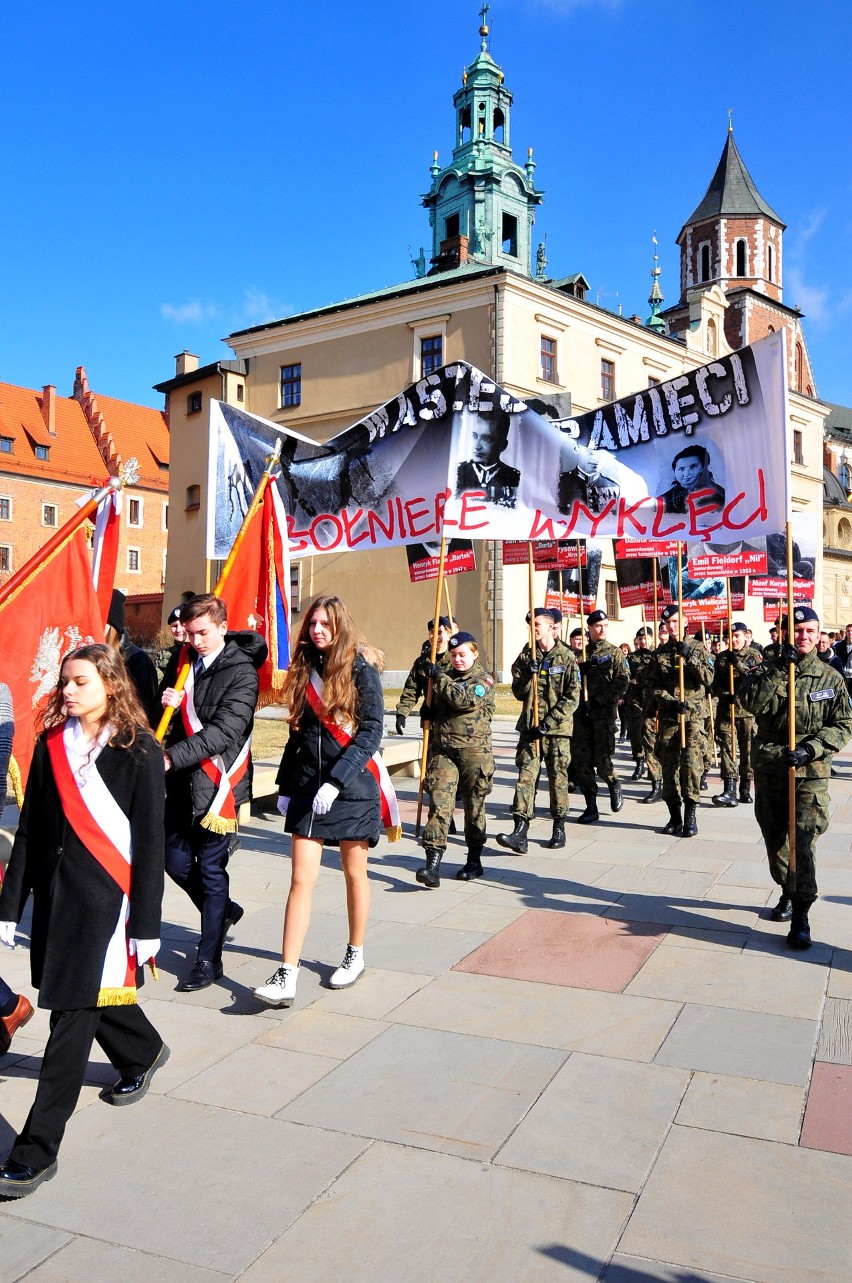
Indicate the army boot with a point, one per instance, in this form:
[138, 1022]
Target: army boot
[745, 791]
[783, 910]
[616, 797]
[639, 769]
[557, 837]
[800, 930]
[430, 876]
[590, 815]
[675, 825]
[703, 785]
[516, 840]
[690, 827]
[656, 794]
[473, 868]
[728, 796]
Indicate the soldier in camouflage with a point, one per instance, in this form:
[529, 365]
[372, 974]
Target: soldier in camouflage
[545, 739]
[741, 659]
[417, 681]
[650, 726]
[682, 768]
[641, 661]
[823, 727]
[605, 677]
[773, 649]
[462, 708]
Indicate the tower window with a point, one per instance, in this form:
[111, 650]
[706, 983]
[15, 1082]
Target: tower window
[451, 227]
[607, 379]
[464, 125]
[431, 354]
[704, 263]
[548, 360]
[291, 385]
[499, 126]
[770, 262]
[510, 235]
[742, 263]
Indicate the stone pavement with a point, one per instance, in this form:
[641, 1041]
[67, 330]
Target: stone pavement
[596, 1063]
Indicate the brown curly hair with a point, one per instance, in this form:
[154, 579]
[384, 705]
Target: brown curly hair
[334, 664]
[123, 712]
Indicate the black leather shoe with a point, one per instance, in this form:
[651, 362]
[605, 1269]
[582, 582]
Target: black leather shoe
[800, 930]
[430, 875]
[232, 916]
[128, 1090]
[783, 910]
[516, 840]
[557, 837]
[16, 1180]
[656, 794]
[639, 769]
[674, 828]
[473, 868]
[202, 976]
[690, 825]
[745, 791]
[616, 797]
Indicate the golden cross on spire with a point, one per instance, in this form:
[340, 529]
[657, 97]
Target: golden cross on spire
[483, 16]
[730, 120]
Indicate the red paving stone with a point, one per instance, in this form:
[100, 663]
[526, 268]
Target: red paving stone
[575, 949]
[828, 1115]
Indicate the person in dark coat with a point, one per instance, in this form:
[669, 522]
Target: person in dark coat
[211, 731]
[89, 847]
[138, 662]
[326, 789]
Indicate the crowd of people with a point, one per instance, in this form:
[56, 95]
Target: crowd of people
[108, 810]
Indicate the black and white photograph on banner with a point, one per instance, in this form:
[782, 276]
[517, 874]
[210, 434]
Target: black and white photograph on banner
[702, 455]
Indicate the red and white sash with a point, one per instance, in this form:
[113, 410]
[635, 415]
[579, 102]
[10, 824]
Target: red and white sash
[221, 816]
[104, 830]
[376, 766]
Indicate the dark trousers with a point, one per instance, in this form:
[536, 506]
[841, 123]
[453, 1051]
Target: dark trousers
[197, 860]
[130, 1041]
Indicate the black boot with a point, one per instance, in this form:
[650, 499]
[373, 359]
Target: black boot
[656, 794]
[800, 929]
[473, 868]
[745, 791]
[728, 796]
[783, 910]
[557, 837]
[616, 797]
[590, 815]
[430, 876]
[639, 769]
[690, 828]
[516, 840]
[675, 825]
[452, 829]
[703, 784]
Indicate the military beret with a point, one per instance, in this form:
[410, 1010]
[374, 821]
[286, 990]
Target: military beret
[668, 612]
[551, 612]
[174, 615]
[443, 622]
[597, 617]
[576, 632]
[459, 639]
[774, 628]
[802, 615]
[740, 627]
[644, 632]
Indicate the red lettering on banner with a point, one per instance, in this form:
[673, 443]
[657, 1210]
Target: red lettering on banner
[338, 526]
[760, 513]
[656, 529]
[298, 539]
[544, 526]
[699, 506]
[350, 521]
[401, 515]
[415, 514]
[441, 519]
[373, 520]
[470, 509]
[594, 521]
[625, 513]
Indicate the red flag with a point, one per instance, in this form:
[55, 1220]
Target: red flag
[51, 612]
[105, 549]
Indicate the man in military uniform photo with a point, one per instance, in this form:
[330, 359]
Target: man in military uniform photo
[823, 727]
[682, 767]
[734, 744]
[605, 678]
[545, 739]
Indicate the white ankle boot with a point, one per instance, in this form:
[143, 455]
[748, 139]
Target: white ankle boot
[350, 969]
[280, 988]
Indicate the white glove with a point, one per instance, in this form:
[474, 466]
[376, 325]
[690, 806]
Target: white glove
[7, 934]
[282, 804]
[324, 799]
[144, 949]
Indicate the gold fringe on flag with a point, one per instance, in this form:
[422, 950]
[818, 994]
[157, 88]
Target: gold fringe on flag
[394, 832]
[124, 997]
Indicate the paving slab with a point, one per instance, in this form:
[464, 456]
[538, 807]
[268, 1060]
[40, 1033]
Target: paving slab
[634, 1269]
[323, 1033]
[600, 1121]
[427, 950]
[88, 1259]
[828, 1115]
[702, 938]
[430, 1089]
[484, 1223]
[546, 1015]
[735, 1206]
[242, 1180]
[258, 1079]
[784, 986]
[708, 914]
[835, 1035]
[476, 914]
[743, 1044]
[575, 949]
[743, 1107]
[375, 995]
[23, 1246]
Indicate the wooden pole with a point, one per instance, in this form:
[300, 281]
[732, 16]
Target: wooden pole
[257, 499]
[531, 576]
[580, 607]
[432, 656]
[449, 604]
[681, 686]
[791, 720]
[710, 701]
[731, 675]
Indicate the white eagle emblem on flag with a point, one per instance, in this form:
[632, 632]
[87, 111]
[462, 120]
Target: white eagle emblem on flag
[49, 656]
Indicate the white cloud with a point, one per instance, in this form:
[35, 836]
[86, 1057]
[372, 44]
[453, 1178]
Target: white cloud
[259, 307]
[192, 313]
[813, 300]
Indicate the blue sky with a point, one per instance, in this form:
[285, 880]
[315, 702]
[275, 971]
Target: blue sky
[178, 171]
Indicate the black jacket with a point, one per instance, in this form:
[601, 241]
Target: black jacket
[312, 757]
[225, 698]
[75, 901]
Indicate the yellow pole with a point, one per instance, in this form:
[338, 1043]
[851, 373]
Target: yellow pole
[680, 622]
[432, 655]
[791, 719]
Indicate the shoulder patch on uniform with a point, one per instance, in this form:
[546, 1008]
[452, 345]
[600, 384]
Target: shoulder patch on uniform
[557, 668]
[816, 696]
[479, 689]
[489, 681]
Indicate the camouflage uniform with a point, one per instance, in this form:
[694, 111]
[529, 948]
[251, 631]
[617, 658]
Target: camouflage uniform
[607, 677]
[681, 768]
[742, 662]
[417, 681]
[558, 693]
[641, 663]
[462, 708]
[824, 722]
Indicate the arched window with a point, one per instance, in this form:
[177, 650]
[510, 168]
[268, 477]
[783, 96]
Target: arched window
[464, 125]
[798, 369]
[712, 340]
[770, 262]
[844, 476]
[704, 263]
[499, 126]
[742, 263]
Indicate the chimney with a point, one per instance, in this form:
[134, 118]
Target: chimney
[185, 363]
[48, 407]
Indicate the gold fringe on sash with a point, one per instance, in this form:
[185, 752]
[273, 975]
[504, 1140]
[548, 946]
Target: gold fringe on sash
[216, 824]
[394, 832]
[17, 782]
[124, 997]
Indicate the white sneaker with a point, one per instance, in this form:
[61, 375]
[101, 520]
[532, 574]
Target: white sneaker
[349, 970]
[280, 989]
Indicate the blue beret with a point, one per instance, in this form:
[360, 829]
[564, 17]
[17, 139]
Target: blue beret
[668, 612]
[459, 639]
[597, 617]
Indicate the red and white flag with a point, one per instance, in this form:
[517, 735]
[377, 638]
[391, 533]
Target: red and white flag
[105, 549]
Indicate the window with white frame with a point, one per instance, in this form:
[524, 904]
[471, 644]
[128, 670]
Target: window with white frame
[134, 512]
[5, 508]
[5, 558]
[134, 560]
[48, 514]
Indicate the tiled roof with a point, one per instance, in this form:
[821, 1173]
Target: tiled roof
[141, 432]
[732, 192]
[73, 455]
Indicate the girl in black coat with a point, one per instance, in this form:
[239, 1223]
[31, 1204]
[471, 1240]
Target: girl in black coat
[325, 788]
[89, 846]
